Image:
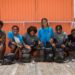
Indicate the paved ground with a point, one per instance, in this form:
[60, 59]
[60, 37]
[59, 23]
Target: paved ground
[38, 69]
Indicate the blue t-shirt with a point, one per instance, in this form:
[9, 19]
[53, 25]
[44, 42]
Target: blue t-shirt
[45, 34]
[11, 36]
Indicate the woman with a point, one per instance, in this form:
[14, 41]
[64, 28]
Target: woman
[15, 41]
[45, 33]
[32, 40]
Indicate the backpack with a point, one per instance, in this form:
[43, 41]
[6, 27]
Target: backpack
[26, 55]
[8, 59]
[59, 55]
[48, 54]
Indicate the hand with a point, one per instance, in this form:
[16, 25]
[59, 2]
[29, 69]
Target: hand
[13, 43]
[1, 46]
[51, 41]
[0, 39]
[39, 42]
[63, 46]
[53, 45]
[28, 47]
[20, 46]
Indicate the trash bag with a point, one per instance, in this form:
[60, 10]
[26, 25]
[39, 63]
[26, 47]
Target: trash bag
[59, 55]
[26, 57]
[48, 54]
[8, 59]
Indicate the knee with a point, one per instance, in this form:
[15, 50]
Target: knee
[12, 47]
[2, 47]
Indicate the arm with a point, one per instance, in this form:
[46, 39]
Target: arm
[65, 40]
[3, 38]
[39, 34]
[10, 38]
[24, 43]
[52, 33]
[52, 38]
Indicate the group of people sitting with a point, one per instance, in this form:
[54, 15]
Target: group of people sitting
[45, 36]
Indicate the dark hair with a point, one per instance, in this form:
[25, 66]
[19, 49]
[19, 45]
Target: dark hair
[1, 23]
[15, 26]
[72, 30]
[42, 21]
[32, 28]
[58, 26]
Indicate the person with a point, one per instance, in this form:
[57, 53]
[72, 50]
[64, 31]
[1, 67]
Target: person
[45, 35]
[71, 40]
[2, 41]
[32, 41]
[60, 40]
[60, 37]
[70, 45]
[16, 42]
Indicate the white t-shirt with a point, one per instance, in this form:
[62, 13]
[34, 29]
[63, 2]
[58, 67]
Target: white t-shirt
[17, 40]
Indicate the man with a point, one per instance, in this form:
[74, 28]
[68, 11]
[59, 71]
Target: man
[2, 41]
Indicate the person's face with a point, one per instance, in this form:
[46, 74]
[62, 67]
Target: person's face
[15, 31]
[59, 31]
[44, 22]
[32, 33]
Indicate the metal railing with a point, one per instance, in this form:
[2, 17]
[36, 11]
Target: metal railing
[37, 21]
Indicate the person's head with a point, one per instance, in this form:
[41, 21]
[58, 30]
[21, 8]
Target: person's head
[58, 29]
[32, 30]
[1, 25]
[15, 29]
[44, 22]
[73, 32]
